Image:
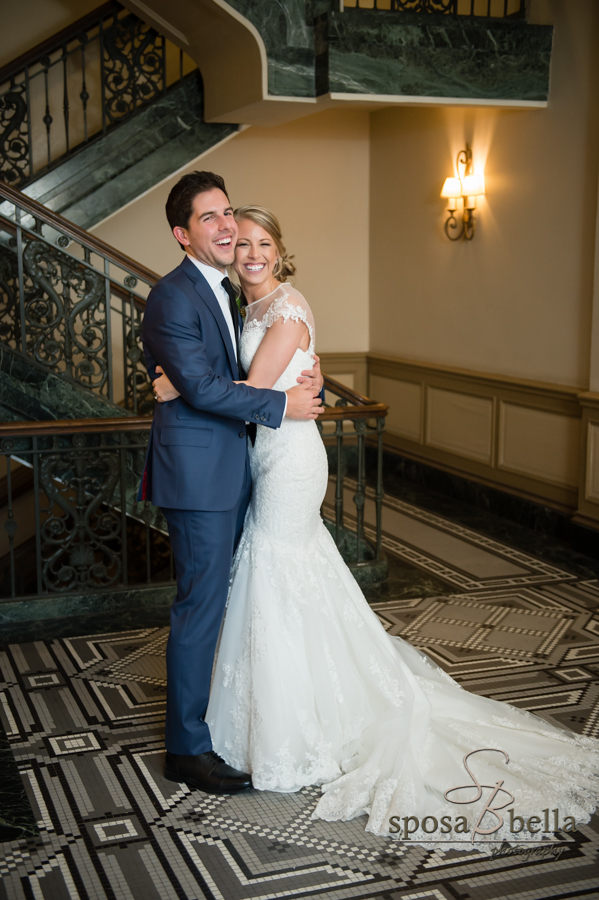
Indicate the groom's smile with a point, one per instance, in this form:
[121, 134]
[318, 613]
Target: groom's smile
[211, 231]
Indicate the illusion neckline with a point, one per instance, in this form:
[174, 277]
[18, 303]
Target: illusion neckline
[270, 293]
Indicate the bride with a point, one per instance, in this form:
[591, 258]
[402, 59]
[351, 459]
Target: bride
[309, 688]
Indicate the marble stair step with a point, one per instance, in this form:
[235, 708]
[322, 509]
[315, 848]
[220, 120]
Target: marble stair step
[30, 393]
[132, 157]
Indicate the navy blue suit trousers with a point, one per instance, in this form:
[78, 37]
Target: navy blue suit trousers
[203, 544]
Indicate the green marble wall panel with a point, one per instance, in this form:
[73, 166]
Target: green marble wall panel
[363, 52]
[62, 606]
[438, 56]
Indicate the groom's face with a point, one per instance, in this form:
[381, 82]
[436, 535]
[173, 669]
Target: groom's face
[211, 233]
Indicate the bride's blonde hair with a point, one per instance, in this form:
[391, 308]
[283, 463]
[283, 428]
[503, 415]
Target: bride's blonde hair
[284, 268]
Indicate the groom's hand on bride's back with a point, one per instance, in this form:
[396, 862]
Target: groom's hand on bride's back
[303, 402]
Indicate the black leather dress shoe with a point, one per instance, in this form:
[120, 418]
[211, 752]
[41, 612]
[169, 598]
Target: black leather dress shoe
[206, 772]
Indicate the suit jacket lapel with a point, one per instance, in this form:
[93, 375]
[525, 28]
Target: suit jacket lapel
[206, 293]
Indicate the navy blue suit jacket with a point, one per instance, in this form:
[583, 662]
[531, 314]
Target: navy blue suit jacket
[198, 444]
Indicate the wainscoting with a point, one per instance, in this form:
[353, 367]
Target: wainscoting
[351, 369]
[535, 440]
[588, 504]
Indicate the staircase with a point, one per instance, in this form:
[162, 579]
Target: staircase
[102, 112]
[289, 58]
[88, 121]
[76, 402]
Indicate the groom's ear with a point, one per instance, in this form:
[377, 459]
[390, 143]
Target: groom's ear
[181, 236]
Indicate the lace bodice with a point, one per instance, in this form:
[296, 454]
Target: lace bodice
[284, 303]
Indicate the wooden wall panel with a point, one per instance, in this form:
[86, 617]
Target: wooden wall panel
[460, 423]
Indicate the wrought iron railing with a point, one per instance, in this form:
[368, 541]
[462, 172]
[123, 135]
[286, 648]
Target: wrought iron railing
[71, 303]
[346, 427]
[75, 86]
[73, 524]
[495, 9]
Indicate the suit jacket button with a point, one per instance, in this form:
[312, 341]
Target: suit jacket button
[263, 419]
[242, 434]
[257, 417]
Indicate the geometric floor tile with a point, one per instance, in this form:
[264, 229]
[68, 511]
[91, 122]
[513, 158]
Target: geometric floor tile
[536, 648]
[89, 744]
[85, 721]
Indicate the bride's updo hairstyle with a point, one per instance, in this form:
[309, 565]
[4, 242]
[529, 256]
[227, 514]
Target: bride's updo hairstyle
[284, 268]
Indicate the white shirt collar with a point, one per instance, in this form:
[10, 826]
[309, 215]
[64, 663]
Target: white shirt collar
[212, 275]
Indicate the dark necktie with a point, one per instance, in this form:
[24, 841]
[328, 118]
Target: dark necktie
[234, 314]
[251, 427]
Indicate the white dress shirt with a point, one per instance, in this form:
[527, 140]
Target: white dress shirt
[214, 278]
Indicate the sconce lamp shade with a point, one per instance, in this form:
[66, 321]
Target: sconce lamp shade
[452, 188]
[473, 185]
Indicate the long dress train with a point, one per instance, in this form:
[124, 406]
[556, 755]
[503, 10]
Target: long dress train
[309, 688]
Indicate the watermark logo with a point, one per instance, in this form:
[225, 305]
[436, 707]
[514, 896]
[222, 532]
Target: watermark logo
[498, 799]
[496, 789]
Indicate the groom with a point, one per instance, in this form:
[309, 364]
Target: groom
[197, 468]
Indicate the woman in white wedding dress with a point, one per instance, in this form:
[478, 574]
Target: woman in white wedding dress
[308, 687]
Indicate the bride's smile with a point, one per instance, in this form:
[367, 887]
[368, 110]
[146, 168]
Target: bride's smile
[255, 259]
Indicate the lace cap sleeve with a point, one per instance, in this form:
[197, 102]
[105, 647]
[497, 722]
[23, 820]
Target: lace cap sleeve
[284, 303]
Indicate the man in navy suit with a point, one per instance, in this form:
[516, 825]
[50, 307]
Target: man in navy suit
[197, 468]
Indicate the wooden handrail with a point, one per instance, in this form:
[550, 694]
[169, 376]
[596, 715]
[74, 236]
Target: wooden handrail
[365, 410]
[57, 40]
[12, 195]
[342, 413]
[347, 393]
[361, 407]
[74, 426]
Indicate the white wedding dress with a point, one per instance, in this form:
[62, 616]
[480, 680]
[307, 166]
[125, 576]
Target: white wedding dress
[309, 688]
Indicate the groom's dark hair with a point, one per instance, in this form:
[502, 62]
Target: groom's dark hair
[179, 205]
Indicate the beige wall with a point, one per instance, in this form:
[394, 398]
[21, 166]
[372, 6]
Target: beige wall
[26, 23]
[517, 299]
[314, 174]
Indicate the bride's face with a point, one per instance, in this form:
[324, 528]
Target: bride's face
[255, 255]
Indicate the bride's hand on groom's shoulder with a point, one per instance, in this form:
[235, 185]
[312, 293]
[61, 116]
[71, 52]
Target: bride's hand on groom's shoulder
[163, 388]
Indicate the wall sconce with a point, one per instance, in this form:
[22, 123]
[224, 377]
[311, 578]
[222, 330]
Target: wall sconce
[467, 187]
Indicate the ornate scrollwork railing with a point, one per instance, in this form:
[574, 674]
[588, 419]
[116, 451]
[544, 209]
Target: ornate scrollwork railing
[65, 91]
[78, 526]
[496, 9]
[71, 303]
[83, 529]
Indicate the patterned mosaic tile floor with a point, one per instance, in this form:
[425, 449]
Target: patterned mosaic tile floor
[84, 719]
